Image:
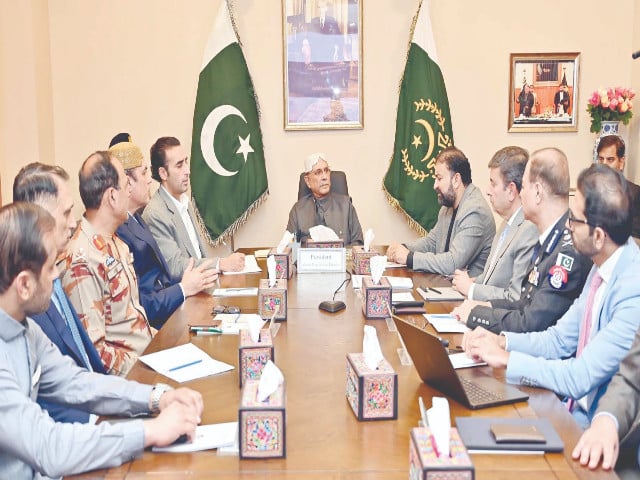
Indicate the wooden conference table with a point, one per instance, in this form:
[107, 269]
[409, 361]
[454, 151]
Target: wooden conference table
[324, 440]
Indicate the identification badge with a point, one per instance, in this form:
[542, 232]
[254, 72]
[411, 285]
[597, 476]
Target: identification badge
[558, 277]
[534, 276]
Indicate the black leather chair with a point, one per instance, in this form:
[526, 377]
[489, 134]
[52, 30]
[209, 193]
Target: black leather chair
[338, 184]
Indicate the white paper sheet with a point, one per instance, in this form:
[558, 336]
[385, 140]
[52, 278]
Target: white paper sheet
[400, 283]
[356, 281]
[232, 323]
[394, 265]
[445, 323]
[250, 266]
[262, 253]
[236, 292]
[207, 438]
[402, 297]
[184, 363]
[460, 360]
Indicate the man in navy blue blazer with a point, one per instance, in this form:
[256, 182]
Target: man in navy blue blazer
[47, 186]
[160, 293]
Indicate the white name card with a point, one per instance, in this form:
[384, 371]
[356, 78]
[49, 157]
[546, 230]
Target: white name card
[314, 260]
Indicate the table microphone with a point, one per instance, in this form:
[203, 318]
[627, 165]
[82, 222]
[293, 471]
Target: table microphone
[333, 305]
[635, 55]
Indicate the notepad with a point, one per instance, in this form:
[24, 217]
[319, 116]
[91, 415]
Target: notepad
[400, 283]
[207, 437]
[440, 294]
[250, 266]
[236, 292]
[445, 323]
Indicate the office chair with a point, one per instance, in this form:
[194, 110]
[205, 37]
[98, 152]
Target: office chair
[338, 184]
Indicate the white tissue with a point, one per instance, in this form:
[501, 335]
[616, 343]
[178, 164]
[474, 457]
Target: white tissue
[439, 420]
[371, 348]
[287, 238]
[271, 270]
[368, 239]
[254, 325]
[377, 263]
[321, 233]
[270, 379]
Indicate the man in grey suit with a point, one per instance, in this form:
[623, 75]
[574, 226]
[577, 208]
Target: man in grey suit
[513, 244]
[170, 215]
[462, 236]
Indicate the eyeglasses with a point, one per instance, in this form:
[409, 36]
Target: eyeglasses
[573, 219]
[225, 309]
[321, 171]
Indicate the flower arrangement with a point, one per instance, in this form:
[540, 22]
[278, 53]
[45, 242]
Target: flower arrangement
[611, 104]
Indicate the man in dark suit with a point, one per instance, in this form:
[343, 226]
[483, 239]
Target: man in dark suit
[160, 293]
[611, 152]
[562, 99]
[46, 185]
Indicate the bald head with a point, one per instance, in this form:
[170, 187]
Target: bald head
[549, 167]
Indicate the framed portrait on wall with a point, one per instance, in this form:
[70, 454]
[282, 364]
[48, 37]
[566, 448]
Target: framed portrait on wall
[322, 50]
[543, 92]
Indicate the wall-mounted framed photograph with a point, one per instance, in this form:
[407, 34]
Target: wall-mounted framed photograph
[322, 49]
[543, 92]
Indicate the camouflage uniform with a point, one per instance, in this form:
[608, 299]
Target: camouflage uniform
[101, 283]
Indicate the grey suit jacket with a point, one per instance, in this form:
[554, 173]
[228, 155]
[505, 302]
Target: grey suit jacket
[473, 231]
[502, 277]
[167, 227]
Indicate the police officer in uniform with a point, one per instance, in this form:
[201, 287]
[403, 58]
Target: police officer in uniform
[557, 271]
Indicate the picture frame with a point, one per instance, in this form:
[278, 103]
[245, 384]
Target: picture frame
[543, 92]
[322, 63]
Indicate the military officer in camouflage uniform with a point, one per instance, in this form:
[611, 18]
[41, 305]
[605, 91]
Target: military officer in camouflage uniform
[98, 271]
[557, 272]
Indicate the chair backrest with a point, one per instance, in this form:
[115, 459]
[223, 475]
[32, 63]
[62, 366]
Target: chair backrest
[338, 184]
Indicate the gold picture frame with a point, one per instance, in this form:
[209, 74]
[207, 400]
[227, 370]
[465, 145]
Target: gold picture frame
[543, 92]
[322, 59]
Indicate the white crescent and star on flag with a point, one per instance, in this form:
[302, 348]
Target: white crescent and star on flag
[207, 139]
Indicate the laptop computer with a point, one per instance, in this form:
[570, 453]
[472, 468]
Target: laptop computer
[434, 367]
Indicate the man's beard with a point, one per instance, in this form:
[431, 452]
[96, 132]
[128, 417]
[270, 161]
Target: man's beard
[448, 198]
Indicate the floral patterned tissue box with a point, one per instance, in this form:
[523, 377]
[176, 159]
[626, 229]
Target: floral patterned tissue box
[284, 262]
[372, 394]
[426, 464]
[272, 299]
[361, 260]
[253, 356]
[262, 424]
[376, 299]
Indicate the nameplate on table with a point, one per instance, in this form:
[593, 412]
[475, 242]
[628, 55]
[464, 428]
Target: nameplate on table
[314, 260]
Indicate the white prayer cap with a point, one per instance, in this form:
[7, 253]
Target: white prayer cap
[312, 159]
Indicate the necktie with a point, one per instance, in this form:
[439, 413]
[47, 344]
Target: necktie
[536, 250]
[319, 214]
[585, 327]
[453, 219]
[68, 317]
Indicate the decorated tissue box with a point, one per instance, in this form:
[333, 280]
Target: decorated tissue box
[425, 464]
[324, 244]
[272, 299]
[253, 356]
[361, 265]
[376, 299]
[372, 394]
[262, 424]
[284, 262]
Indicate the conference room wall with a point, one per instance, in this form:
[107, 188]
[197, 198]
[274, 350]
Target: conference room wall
[74, 72]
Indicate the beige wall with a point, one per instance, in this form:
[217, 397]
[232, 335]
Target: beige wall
[75, 72]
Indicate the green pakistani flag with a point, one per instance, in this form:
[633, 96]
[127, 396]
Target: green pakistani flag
[228, 174]
[423, 129]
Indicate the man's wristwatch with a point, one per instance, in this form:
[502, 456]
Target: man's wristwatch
[156, 393]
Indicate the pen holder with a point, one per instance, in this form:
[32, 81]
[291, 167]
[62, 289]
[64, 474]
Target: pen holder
[324, 244]
[424, 462]
[361, 260]
[272, 298]
[376, 299]
[372, 394]
[284, 263]
[262, 424]
[253, 356]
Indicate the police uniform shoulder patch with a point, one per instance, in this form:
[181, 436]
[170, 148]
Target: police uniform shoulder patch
[565, 261]
[567, 240]
[558, 277]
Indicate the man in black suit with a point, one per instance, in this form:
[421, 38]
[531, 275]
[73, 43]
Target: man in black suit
[46, 186]
[611, 152]
[562, 99]
[160, 293]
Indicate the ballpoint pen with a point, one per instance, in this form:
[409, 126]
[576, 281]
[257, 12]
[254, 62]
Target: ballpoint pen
[195, 362]
[205, 329]
[435, 290]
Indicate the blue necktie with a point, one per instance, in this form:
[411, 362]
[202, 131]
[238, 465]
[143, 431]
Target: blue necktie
[63, 303]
